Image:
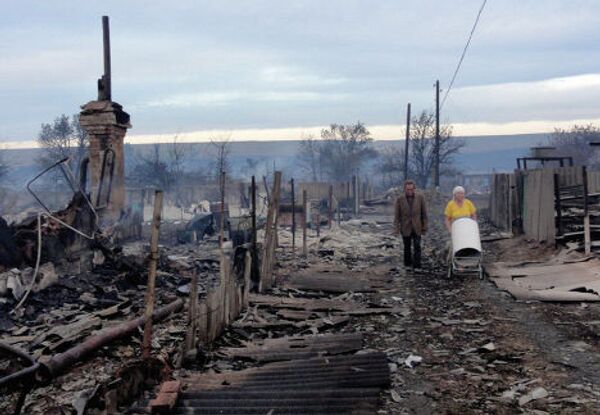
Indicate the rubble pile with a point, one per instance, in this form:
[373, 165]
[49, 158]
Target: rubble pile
[75, 307]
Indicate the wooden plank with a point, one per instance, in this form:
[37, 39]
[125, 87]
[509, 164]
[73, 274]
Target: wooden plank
[297, 347]
[329, 283]
[151, 285]
[547, 224]
[190, 338]
[202, 325]
[300, 303]
[266, 279]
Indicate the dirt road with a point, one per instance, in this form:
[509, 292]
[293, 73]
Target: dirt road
[483, 352]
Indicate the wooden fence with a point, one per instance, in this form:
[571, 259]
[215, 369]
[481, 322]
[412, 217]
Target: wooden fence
[501, 201]
[221, 305]
[524, 201]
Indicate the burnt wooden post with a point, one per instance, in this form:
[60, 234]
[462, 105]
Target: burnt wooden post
[151, 284]
[267, 189]
[293, 217]
[255, 270]
[270, 239]
[190, 339]
[339, 214]
[318, 223]
[330, 206]
[222, 221]
[586, 213]
[558, 205]
[354, 194]
[304, 223]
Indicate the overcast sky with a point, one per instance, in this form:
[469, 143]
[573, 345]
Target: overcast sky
[278, 69]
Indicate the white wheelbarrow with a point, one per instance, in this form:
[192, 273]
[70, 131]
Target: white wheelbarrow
[465, 253]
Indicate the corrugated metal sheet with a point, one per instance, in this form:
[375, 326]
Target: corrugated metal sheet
[329, 385]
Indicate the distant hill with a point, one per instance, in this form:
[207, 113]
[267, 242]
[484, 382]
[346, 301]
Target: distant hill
[480, 154]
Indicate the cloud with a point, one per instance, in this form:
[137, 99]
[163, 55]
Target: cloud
[224, 98]
[286, 76]
[190, 65]
[562, 98]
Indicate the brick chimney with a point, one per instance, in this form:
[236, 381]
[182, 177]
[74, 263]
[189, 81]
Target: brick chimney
[106, 124]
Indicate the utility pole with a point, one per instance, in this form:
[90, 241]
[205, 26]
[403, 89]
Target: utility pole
[437, 134]
[406, 142]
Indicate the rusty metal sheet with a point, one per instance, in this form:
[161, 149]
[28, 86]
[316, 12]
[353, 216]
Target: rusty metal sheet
[331, 385]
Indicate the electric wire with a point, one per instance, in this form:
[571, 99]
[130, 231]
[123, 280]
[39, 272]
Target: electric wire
[464, 52]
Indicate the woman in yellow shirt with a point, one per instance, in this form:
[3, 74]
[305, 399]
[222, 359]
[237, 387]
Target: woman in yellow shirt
[459, 207]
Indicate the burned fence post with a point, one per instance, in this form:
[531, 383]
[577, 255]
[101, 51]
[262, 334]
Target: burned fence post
[151, 284]
[586, 213]
[304, 223]
[191, 335]
[248, 267]
[339, 213]
[348, 190]
[293, 217]
[355, 194]
[270, 237]
[558, 205]
[255, 271]
[318, 219]
[330, 207]
[222, 219]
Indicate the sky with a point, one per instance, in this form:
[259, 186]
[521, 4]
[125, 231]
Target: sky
[282, 70]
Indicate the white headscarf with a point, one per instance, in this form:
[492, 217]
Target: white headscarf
[458, 189]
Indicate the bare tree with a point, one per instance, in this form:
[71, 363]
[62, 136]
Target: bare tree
[575, 143]
[179, 153]
[422, 147]
[163, 167]
[251, 167]
[63, 138]
[345, 149]
[220, 152]
[309, 157]
[391, 165]
[341, 151]
[152, 170]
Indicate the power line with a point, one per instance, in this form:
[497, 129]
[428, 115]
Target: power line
[464, 52]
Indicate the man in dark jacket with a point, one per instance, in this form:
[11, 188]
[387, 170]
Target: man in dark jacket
[410, 221]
